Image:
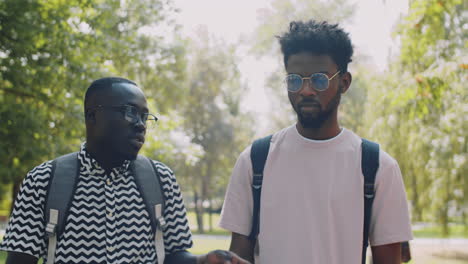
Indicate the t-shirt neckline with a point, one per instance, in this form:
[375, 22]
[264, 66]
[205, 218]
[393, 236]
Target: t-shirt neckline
[318, 143]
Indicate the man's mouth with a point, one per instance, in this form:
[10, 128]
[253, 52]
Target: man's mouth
[137, 140]
[309, 107]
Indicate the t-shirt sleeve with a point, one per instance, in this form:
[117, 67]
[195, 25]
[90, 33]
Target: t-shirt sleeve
[177, 235]
[25, 232]
[236, 215]
[390, 222]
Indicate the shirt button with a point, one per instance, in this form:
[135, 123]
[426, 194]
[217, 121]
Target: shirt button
[109, 214]
[109, 182]
[110, 249]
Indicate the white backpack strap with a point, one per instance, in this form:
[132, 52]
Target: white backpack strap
[51, 230]
[158, 237]
[257, 251]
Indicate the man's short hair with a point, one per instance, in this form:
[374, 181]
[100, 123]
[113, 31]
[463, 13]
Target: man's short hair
[101, 84]
[319, 38]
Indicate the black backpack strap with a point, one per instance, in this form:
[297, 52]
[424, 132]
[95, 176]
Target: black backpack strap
[62, 185]
[65, 172]
[148, 182]
[258, 156]
[369, 166]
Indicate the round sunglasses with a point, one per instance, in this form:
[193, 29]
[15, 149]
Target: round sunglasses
[319, 81]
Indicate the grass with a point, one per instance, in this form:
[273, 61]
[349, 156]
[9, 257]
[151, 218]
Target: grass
[192, 219]
[203, 246]
[455, 231]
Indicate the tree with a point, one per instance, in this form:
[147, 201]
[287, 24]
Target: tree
[424, 119]
[50, 51]
[213, 118]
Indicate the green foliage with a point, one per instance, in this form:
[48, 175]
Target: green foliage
[213, 120]
[455, 231]
[418, 111]
[50, 51]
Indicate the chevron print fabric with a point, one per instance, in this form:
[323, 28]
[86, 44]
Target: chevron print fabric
[107, 221]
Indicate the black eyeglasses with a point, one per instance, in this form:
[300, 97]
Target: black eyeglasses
[132, 114]
[319, 81]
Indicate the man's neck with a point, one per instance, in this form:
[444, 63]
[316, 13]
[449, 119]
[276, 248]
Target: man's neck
[105, 160]
[329, 129]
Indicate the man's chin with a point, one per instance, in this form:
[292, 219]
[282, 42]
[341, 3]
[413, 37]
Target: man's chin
[311, 121]
[131, 155]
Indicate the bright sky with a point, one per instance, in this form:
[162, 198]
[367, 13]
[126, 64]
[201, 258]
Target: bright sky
[370, 33]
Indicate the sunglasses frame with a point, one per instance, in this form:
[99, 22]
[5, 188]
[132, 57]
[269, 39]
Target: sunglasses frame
[310, 78]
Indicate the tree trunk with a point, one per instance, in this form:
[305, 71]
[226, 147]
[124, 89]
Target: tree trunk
[199, 212]
[445, 216]
[210, 212]
[415, 197]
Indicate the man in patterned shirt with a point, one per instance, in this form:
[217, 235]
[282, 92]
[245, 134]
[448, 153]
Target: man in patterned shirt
[107, 221]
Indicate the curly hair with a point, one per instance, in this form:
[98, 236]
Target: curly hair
[320, 38]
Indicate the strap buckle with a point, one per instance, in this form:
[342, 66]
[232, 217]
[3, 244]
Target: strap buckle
[257, 180]
[161, 222]
[51, 229]
[369, 190]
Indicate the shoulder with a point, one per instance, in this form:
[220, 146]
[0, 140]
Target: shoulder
[281, 135]
[162, 168]
[165, 174]
[388, 169]
[39, 175]
[387, 164]
[276, 139]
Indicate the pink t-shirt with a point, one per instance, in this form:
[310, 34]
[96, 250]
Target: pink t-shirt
[312, 205]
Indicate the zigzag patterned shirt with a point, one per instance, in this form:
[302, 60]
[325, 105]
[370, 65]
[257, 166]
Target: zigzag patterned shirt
[107, 221]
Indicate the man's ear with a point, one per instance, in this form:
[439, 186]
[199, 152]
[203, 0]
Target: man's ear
[346, 81]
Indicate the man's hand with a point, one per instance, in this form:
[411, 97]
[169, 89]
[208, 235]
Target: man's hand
[221, 257]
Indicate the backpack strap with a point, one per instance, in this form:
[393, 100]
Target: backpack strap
[65, 171]
[258, 157]
[369, 166]
[151, 191]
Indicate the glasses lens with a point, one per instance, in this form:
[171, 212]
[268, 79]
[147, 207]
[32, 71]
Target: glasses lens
[131, 114]
[293, 82]
[319, 81]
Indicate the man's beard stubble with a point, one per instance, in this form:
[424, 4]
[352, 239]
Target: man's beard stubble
[308, 121]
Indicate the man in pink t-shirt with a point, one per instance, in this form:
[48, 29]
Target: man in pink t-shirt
[312, 208]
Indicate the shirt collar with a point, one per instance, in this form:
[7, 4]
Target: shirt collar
[91, 167]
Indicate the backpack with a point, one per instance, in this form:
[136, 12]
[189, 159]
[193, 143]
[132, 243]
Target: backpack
[369, 165]
[62, 186]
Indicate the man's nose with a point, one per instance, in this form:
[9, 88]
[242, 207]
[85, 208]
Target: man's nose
[307, 88]
[140, 123]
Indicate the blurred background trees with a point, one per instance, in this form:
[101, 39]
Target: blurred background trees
[419, 110]
[51, 50]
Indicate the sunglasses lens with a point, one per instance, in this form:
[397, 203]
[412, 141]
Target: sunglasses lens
[293, 82]
[319, 81]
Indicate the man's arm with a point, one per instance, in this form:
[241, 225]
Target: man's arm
[242, 246]
[181, 257]
[213, 257]
[20, 258]
[387, 254]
